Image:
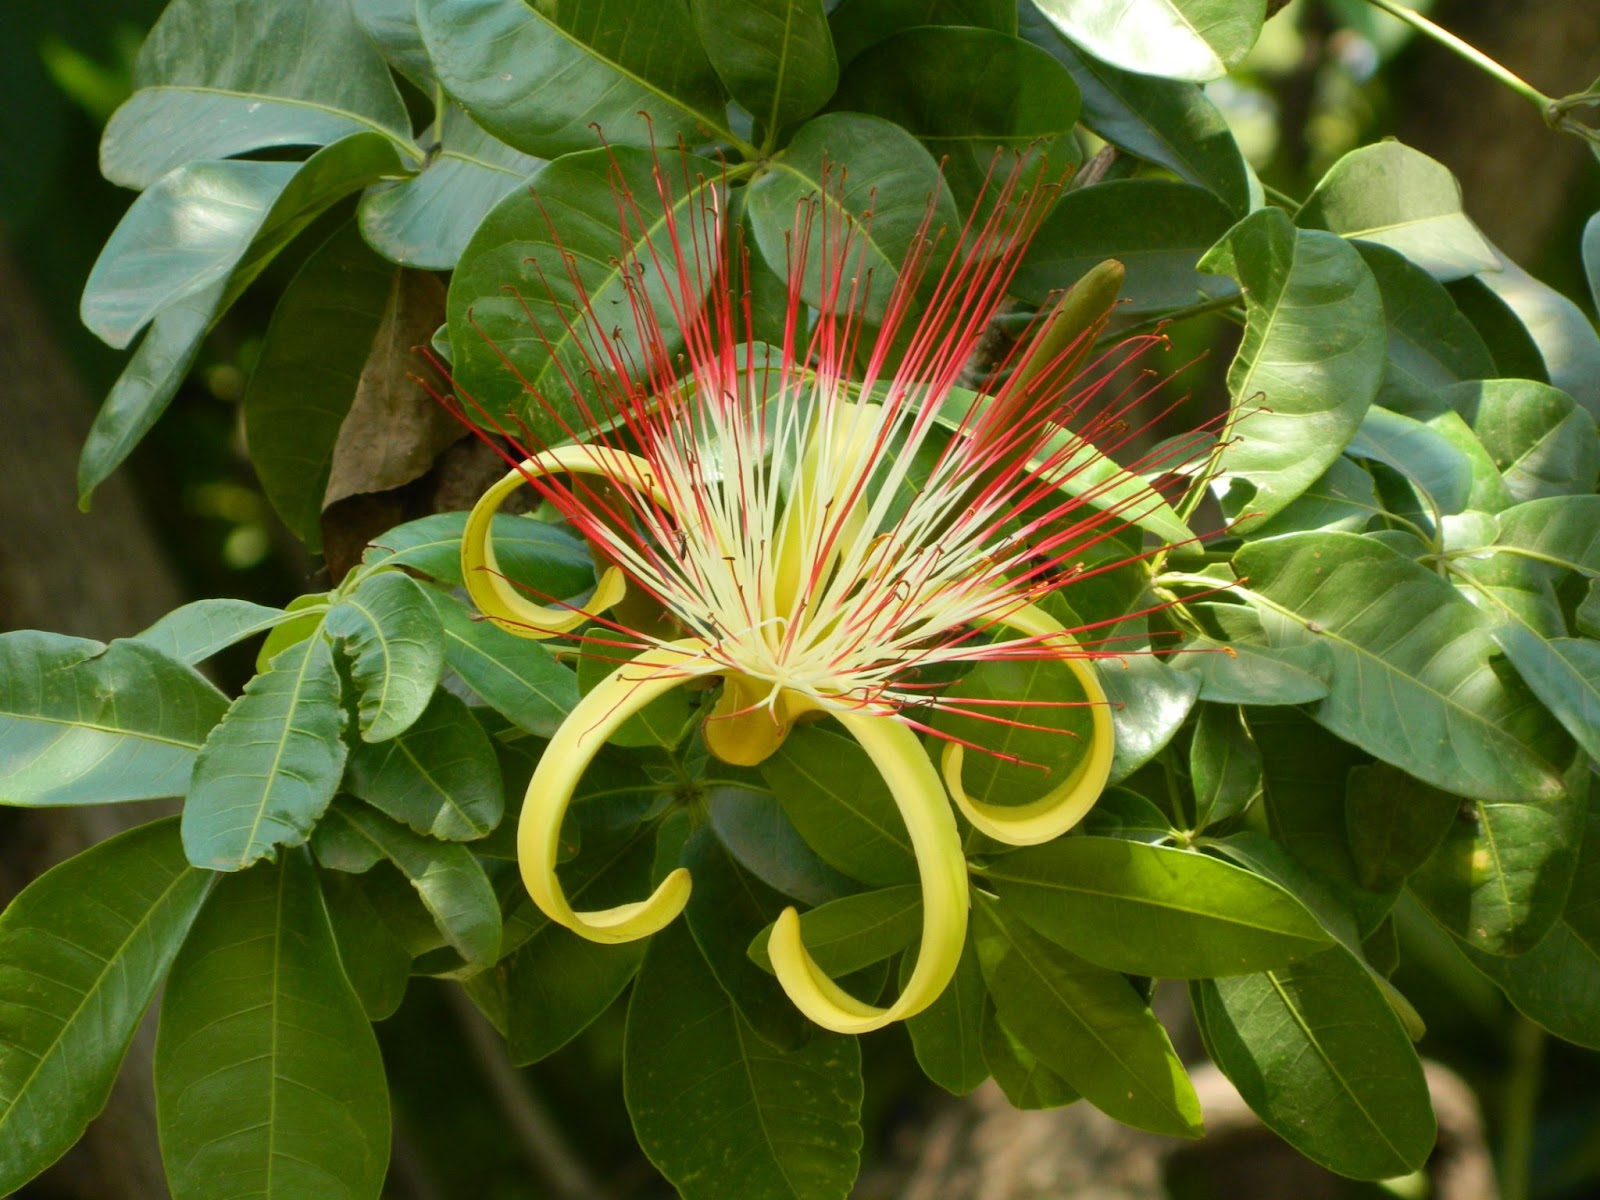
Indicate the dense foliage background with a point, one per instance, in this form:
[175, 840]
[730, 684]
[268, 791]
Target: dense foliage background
[1472, 500]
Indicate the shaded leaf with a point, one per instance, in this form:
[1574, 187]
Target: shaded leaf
[1394, 823]
[376, 961]
[752, 824]
[85, 723]
[1565, 337]
[82, 950]
[947, 1036]
[1224, 765]
[720, 1111]
[774, 56]
[857, 24]
[1026, 1081]
[268, 1078]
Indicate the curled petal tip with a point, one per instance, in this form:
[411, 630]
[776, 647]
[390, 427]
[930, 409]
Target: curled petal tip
[914, 784]
[641, 918]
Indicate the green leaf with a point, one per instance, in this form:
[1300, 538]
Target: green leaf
[1441, 473]
[1564, 673]
[858, 24]
[1122, 813]
[427, 220]
[219, 79]
[391, 26]
[662, 722]
[1319, 1055]
[1557, 982]
[1086, 1024]
[1564, 532]
[1309, 364]
[775, 57]
[829, 788]
[1499, 879]
[727, 908]
[1431, 344]
[1179, 39]
[391, 633]
[1157, 228]
[82, 950]
[1149, 703]
[1422, 695]
[1251, 670]
[1164, 121]
[440, 777]
[193, 632]
[514, 675]
[962, 92]
[268, 1078]
[1398, 197]
[1224, 765]
[947, 1036]
[753, 826]
[718, 1110]
[871, 166]
[540, 83]
[1591, 256]
[1394, 823]
[1154, 910]
[557, 983]
[305, 615]
[1543, 443]
[853, 932]
[376, 961]
[538, 555]
[1565, 337]
[183, 252]
[447, 878]
[1344, 499]
[1026, 1081]
[84, 723]
[310, 367]
[269, 770]
[513, 297]
[1516, 356]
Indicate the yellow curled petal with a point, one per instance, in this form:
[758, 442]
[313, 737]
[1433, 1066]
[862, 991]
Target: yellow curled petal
[936, 842]
[500, 600]
[621, 694]
[1063, 806]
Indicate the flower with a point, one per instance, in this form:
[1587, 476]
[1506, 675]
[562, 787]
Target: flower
[773, 511]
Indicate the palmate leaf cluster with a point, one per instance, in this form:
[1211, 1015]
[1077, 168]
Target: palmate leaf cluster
[1388, 690]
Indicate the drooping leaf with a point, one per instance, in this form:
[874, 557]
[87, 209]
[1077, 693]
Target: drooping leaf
[1158, 229]
[1179, 39]
[219, 79]
[439, 777]
[1167, 121]
[269, 770]
[514, 675]
[426, 221]
[1316, 1051]
[963, 92]
[512, 294]
[391, 633]
[1085, 1023]
[1398, 197]
[1565, 337]
[268, 1078]
[540, 81]
[775, 57]
[1224, 765]
[195, 631]
[1309, 364]
[82, 950]
[882, 169]
[1411, 679]
[1154, 910]
[448, 880]
[85, 723]
[183, 253]
[720, 1111]
[310, 365]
